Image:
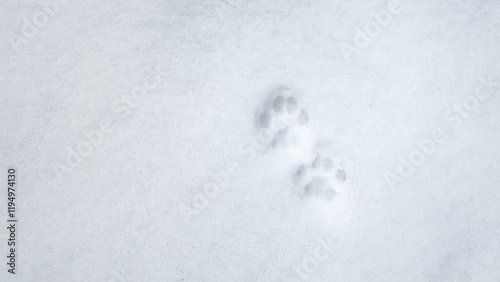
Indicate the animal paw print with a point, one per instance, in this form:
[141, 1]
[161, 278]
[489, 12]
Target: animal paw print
[281, 115]
[323, 178]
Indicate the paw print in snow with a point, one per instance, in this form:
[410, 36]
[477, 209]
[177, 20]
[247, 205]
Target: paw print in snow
[322, 178]
[282, 115]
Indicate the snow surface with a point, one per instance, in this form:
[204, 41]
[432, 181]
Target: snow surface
[184, 182]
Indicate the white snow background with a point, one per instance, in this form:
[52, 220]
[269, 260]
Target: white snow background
[170, 93]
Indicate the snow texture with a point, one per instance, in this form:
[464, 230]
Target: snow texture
[235, 140]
